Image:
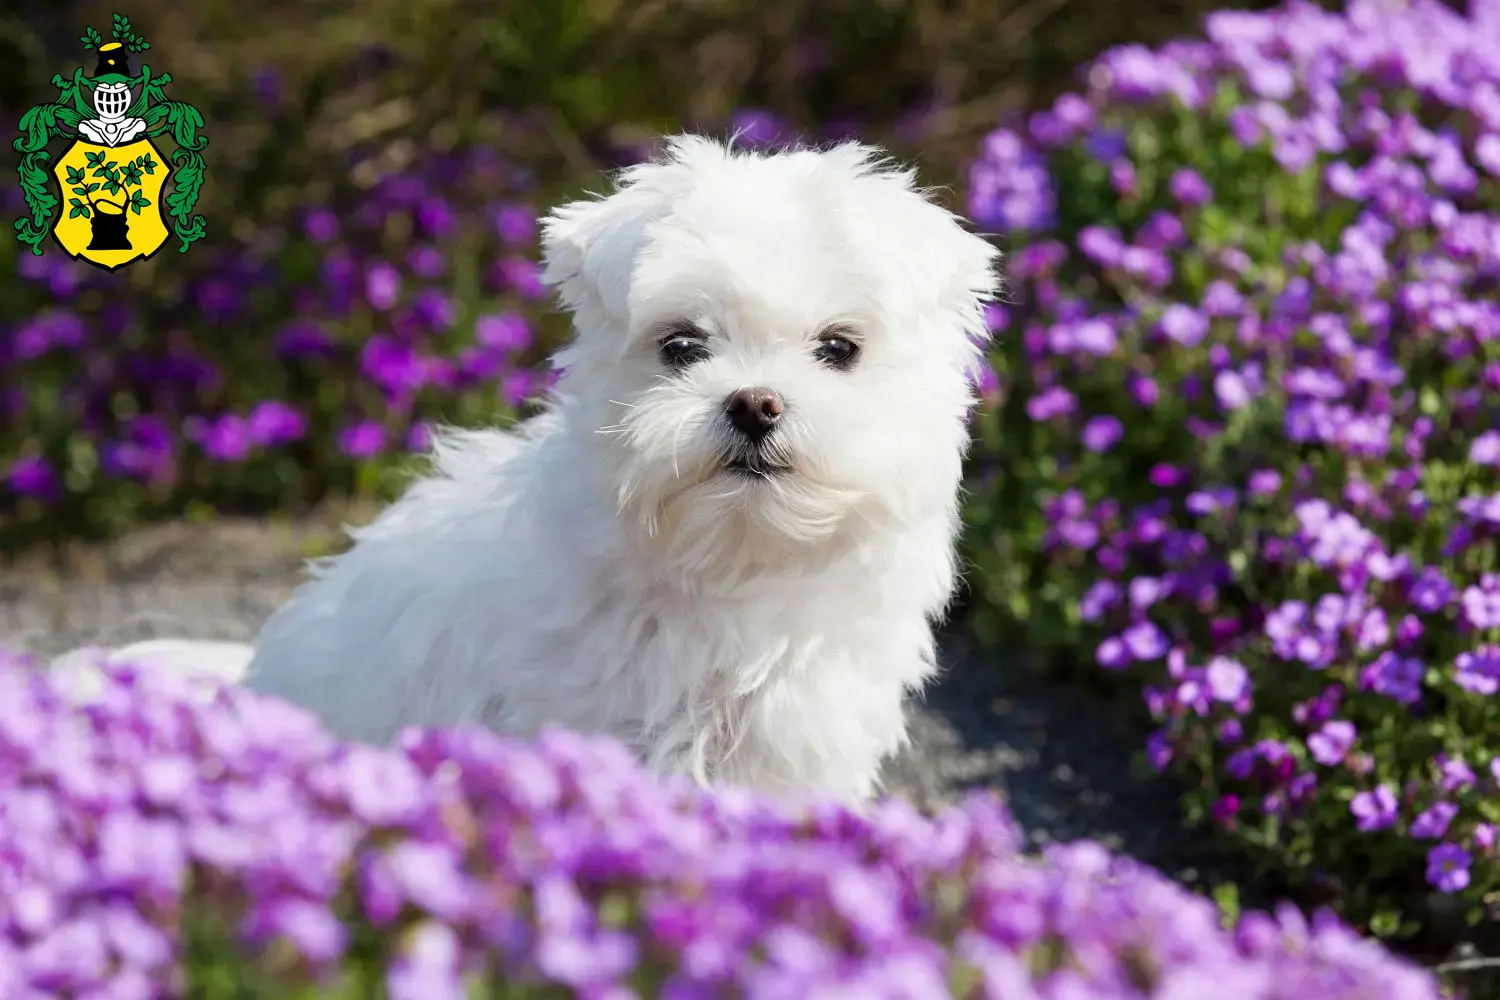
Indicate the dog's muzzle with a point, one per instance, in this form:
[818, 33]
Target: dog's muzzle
[752, 415]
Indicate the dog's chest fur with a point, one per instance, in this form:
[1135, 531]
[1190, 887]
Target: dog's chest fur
[805, 689]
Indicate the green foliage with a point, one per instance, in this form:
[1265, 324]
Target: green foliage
[125, 34]
[113, 177]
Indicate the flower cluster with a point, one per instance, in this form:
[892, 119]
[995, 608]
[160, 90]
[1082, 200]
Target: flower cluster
[1253, 376]
[279, 366]
[166, 839]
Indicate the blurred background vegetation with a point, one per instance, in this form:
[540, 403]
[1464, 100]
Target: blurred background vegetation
[314, 103]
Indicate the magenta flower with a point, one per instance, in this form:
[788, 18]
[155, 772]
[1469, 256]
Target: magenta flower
[227, 439]
[382, 285]
[362, 440]
[272, 422]
[1102, 433]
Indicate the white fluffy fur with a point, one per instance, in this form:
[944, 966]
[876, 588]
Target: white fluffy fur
[599, 569]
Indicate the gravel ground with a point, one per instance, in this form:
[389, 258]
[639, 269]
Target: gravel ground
[1061, 758]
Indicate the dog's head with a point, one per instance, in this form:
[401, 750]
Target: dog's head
[773, 351]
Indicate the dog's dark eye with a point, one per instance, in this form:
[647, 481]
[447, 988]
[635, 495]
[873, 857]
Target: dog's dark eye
[837, 350]
[683, 346]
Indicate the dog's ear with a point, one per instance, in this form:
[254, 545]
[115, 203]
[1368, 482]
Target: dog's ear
[973, 279]
[957, 267]
[951, 272]
[589, 247]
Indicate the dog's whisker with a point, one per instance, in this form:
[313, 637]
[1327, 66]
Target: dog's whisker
[676, 436]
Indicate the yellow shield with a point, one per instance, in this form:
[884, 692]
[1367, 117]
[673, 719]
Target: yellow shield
[111, 212]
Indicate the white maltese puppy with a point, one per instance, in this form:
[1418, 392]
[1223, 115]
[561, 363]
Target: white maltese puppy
[728, 538]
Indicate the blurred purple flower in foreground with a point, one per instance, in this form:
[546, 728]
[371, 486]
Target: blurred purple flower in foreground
[169, 805]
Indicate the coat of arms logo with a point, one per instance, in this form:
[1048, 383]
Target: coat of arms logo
[115, 207]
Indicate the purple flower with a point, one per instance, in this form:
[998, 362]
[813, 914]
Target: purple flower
[426, 262]
[1145, 641]
[1145, 591]
[515, 224]
[523, 276]
[1374, 809]
[321, 226]
[31, 476]
[1165, 476]
[1225, 808]
[143, 452]
[1448, 868]
[996, 317]
[433, 309]
[1397, 677]
[310, 927]
[1478, 671]
[434, 218]
[1100, 597]
[1433, 821]
[1265, 482]
[1456, 775]
[1332, 743]
[302, 340]
[1485, 449]
[1143, 389]
[1189, 187]
[1158, 751]
[227, 439]
[1481, 604]
[517, 388]
[508, 332]
[1104, 246]
[1232, 390]
[1050, 404]
[1228, 681]
[1432, 591]
[272, 422]
[419, 438]
[1184, 325]
[1102, 433]
[392, 365]
[382, 285]
[1112, 654]
[362, 440]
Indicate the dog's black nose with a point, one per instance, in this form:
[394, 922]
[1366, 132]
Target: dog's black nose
[753, 412]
